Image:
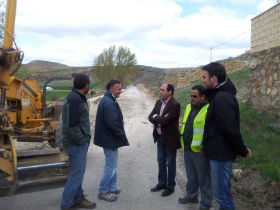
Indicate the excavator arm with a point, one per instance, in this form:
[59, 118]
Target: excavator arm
[22, 120]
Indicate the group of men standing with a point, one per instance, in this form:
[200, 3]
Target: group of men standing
[210, 135]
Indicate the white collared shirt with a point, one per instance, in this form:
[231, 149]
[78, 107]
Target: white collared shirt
[163, 105]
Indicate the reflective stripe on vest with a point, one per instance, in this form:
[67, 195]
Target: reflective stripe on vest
[198, 127]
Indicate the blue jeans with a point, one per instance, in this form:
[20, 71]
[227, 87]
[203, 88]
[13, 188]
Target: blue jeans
[109, 180]
[166, 172]
[73, 191]
[221, 173]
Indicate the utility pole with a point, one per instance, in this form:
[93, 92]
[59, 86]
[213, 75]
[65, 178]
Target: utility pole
[211, 54]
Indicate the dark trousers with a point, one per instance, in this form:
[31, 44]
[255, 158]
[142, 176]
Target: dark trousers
[166, 165]
[199, 176]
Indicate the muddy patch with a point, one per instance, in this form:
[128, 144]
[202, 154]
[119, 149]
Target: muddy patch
[254, 191]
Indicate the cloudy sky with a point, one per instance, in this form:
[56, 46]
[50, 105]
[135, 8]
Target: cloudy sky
[162, 33]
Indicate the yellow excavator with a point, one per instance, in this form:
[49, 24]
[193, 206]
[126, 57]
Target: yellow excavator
[22, 121]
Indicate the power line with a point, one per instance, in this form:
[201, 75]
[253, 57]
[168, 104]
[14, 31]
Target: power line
[216, 46]
[226, 41]
[197, 57]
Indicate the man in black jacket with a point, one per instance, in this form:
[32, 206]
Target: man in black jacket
[222, 138]
[76, 137]
[110, 134]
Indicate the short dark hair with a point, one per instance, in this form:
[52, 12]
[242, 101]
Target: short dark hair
[216, 69]
[201, 90]
[170, 87]
[80, 81]
[111, 83]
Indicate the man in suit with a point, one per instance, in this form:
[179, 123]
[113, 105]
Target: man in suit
[165, 117]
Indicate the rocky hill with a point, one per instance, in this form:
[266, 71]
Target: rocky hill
[153, 77]
[147, 75]
[44, 70]
[41, 65]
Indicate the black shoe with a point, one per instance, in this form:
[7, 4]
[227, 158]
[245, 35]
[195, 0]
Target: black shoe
[167, 192]
[204, 208]
[158, 188]
[185, 200]
[84, 204]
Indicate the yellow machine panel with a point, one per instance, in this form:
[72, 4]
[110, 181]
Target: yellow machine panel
[22, 120]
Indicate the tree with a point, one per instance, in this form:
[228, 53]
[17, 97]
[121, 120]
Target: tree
[114, 63]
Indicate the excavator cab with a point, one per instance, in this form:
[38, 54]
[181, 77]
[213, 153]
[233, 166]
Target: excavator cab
[28, 149]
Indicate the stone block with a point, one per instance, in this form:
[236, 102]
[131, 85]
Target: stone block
[263, 90]
[277, 84]
[258, 83]
[274, 92]
[268, 91]
[254, 91]
[269, 81]
[276, 59]
[264, 83]
[275, 76]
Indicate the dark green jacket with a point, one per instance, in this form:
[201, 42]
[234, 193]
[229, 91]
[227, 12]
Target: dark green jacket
[75, 120]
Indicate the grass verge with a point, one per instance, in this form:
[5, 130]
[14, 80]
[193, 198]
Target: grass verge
[261, 133]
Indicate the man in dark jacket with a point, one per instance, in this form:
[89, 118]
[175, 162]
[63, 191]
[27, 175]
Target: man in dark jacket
[165, 117]
[76, 138]
[110, 134]
[222, 138]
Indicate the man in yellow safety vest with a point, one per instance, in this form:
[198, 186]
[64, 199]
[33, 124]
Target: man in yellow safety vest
[196, 164]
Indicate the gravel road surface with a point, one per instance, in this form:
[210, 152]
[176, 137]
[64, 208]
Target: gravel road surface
[137, 167]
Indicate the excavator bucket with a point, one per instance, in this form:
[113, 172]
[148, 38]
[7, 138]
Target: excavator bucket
[28, 161]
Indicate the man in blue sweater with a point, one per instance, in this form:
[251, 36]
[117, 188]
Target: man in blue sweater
[110, 135]
[76, 138]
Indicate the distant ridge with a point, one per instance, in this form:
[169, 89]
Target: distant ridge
[41, 65]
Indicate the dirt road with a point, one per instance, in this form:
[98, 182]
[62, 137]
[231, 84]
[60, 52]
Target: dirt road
[137, 168]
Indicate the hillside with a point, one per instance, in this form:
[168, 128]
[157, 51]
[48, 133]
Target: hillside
[44, 70]
[41, 65]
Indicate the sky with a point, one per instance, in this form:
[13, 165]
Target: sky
[161, 33]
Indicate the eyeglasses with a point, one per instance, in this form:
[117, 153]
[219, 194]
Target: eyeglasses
[194, 96]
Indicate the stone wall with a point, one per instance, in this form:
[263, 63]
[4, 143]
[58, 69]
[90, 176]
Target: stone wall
[184, 77]
[265, 30]
[151, 77]
[265, 79]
